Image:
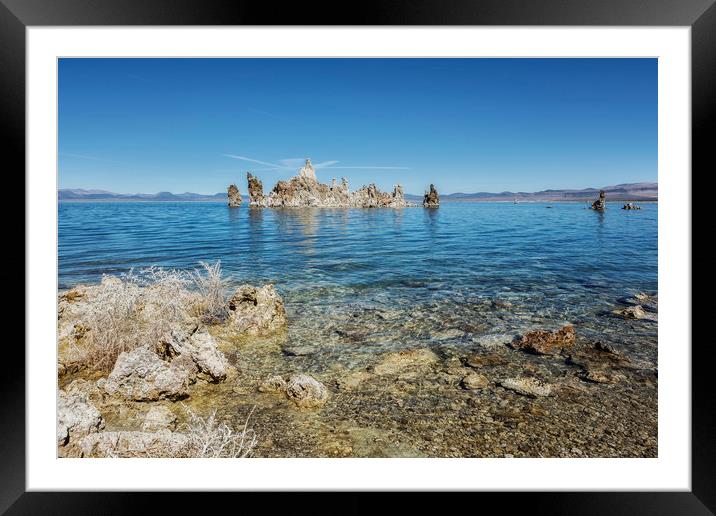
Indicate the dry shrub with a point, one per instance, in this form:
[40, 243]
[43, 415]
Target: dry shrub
[138, 308]
[209, 438]
[213, 292]
[133, 310]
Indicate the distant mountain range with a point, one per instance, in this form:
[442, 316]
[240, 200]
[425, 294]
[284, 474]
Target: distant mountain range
[78, 194]
[623, 192]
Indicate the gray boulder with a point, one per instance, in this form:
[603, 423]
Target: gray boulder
[134, 444]
[257, 311]
[141, 375]
[306, 391]
[76, 417]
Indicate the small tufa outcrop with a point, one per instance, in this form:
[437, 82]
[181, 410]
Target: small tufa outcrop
[256, 311]
[234, 196]
[431, 199]
[256, 191]
[601, 203]
[631, 206]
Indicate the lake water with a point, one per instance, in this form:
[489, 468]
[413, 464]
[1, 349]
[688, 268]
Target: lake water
[472, 267]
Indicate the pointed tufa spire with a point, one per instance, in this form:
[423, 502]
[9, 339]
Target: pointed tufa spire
[307, 171]
[234, 196]
[431, 199]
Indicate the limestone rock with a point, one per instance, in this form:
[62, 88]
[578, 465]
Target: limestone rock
[201, 347]
[256, 191]
[474, 381]
[158, 418]
[135, 444]
[141, 375]
[394, 363]
[234, 196]
[257, 311]
[544, 342]
[76, 417]
[431, 198]
[632, 312]
[304, 190]
[527, 386]
[307, 171]
[306, 391]
[601, 203]
[631, 206]
[274, 383]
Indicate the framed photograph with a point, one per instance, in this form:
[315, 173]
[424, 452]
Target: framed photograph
[416, 249]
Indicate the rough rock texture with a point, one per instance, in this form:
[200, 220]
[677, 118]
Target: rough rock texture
[234, 196]
[431, 199]
[256, 191]
[544, 342]
[411, 359]
[305, 190]
[601, 203]
[274, 383]
[527, 386]
[201, 347]
[474, 381]
[631, 206]
[636, 312]
[257, 311]
[159, 418]
[305, 391]
[76, 417]
[134, 444]
[141, 375]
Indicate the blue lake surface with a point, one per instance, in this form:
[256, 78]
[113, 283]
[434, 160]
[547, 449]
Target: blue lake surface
[541, 265]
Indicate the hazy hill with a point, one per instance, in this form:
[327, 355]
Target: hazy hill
[623, 192]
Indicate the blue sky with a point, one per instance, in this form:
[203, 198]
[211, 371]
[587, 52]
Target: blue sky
[467, 125]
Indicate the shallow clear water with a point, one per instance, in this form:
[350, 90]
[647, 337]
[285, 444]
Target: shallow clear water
[385, 277]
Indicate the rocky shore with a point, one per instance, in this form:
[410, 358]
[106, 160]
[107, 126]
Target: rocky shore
[204, 370]
[304, 190]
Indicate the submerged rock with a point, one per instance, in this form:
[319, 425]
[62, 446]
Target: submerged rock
[304, 190]
[140, 375]
[635, 312]
[474, 381]
[234, 196]
[256, 311]
[544, 342]
[275, 383]
[527, 386]
[306, 391]
[393, 363]
[76, 417]
[431, 198]
[601, 203]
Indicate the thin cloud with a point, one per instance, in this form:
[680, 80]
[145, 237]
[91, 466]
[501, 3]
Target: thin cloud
[371, 168]
[295, 163]
[252, 160]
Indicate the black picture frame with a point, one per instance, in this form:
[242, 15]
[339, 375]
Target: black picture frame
[700, 15]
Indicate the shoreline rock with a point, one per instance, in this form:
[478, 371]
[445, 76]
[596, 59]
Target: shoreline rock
[257, 311]
[543, 342]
